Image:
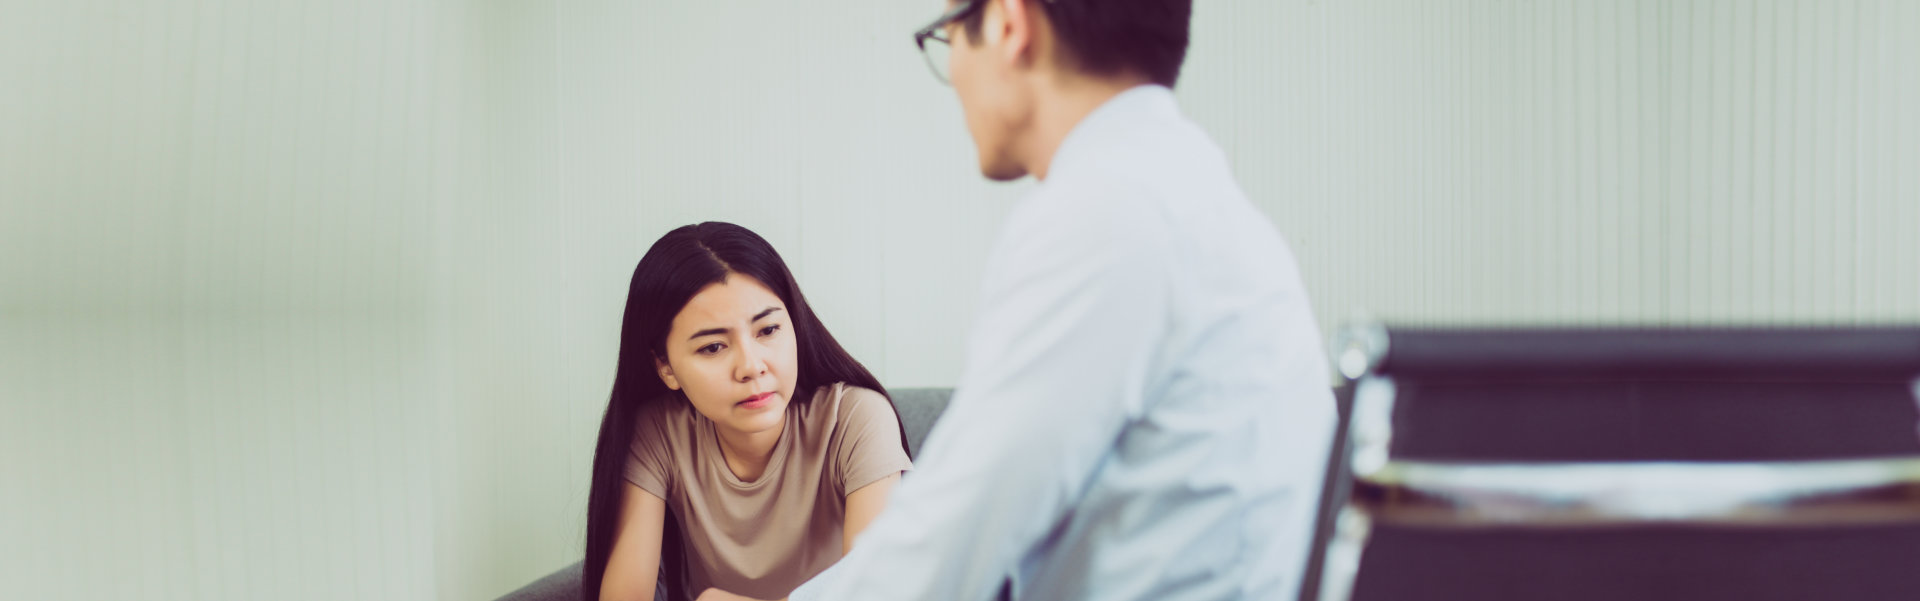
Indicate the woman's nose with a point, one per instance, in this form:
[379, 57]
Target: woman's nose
[750, 366]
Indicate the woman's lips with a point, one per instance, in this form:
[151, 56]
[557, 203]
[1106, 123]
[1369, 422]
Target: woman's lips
[756, 401]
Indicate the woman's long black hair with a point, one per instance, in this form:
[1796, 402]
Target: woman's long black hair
[678, 266]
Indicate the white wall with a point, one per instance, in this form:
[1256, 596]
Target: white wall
[1593, 162]
[321, 301]
[217, 257]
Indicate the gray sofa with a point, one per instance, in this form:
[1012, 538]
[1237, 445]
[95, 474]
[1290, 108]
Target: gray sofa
[918, 408]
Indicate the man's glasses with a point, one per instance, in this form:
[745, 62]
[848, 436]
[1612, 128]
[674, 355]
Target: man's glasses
[941, 48]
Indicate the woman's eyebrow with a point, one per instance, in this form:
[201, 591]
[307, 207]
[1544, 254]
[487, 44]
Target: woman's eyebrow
[711, 331]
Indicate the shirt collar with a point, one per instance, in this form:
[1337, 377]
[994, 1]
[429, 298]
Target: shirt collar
[1126, 109]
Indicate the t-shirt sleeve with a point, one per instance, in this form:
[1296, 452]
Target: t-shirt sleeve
[869, 447]
[649, 466]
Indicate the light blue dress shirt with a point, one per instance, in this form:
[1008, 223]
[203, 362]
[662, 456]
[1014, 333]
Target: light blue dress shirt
[1144, 412]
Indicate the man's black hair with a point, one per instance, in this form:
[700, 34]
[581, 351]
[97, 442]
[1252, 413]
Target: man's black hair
[1109, 37]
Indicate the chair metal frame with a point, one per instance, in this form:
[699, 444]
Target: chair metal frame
[1572, 496]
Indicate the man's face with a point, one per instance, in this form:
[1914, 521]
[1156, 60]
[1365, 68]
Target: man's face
[994, 94]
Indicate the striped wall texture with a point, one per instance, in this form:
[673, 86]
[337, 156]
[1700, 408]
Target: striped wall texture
[321, 300]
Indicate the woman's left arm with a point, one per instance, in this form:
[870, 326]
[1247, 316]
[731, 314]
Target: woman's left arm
[863, 505]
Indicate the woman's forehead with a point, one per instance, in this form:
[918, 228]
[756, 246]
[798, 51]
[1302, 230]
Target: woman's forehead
[738, 298]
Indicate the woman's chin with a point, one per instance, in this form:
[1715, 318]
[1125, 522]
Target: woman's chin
[757, 418]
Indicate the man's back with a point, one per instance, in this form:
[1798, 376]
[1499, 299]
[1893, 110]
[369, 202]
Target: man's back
[1210, 489]
[1145, 412]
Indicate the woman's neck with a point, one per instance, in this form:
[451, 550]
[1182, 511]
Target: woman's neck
[747, 453]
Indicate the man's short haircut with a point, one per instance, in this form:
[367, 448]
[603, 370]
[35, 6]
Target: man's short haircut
[1109, 37]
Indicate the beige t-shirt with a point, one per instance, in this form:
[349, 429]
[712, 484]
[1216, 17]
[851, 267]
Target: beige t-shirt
[764, 538]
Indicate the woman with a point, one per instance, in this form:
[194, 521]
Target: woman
[742, 450]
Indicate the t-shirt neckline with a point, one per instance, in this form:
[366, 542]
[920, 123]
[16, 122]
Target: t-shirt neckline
[774, 462]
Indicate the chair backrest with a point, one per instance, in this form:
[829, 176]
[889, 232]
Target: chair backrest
[919, 408]
[1655, 419]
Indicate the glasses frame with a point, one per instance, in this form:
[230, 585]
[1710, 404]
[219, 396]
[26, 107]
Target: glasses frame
[937, 32]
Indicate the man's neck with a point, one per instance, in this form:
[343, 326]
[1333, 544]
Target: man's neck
[1061, 108]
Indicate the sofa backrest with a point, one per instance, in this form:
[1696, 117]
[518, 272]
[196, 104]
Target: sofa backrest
[918, 408]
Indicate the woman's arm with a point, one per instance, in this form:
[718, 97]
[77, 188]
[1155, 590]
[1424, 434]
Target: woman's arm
[635, 562]
[862, 506]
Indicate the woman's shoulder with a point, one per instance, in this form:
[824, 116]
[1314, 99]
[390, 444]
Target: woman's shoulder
[865, 440]
[664, 419]
[842, 402]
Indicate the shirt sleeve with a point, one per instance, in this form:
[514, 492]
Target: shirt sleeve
[649, 466]
[1076, 302]
[869, 446]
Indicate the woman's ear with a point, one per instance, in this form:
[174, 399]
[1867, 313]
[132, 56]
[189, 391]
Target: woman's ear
[666, 373]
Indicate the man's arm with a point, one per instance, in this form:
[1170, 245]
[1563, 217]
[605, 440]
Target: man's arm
[1057, 365]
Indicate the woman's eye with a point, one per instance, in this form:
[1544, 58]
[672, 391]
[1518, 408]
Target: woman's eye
[709, 349]
[768, 331]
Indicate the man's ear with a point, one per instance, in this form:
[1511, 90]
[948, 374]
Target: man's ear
[1015, 30]
[666, 373]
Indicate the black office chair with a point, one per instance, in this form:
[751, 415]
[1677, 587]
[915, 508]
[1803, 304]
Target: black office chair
[1625, 464]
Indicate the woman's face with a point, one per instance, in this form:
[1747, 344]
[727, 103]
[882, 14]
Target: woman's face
[731, 350]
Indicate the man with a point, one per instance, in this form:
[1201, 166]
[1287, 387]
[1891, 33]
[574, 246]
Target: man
[1144, 411]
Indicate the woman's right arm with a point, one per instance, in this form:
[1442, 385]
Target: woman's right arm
[635, 562]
